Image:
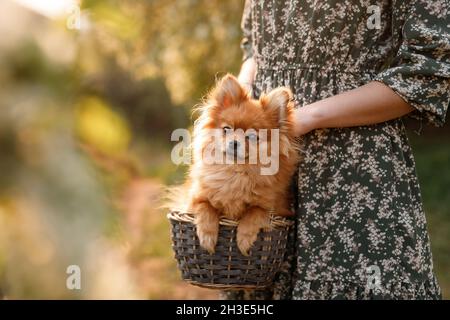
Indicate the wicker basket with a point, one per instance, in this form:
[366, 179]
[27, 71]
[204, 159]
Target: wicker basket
[228, 268]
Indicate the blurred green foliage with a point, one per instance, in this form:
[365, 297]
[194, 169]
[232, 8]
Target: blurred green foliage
[432, 153]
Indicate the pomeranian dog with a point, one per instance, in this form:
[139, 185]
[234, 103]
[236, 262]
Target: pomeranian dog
[244, 155]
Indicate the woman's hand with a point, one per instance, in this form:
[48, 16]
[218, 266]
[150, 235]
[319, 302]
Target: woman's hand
[370, 104]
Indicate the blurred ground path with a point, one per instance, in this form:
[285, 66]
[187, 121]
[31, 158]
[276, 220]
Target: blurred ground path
[148, 239]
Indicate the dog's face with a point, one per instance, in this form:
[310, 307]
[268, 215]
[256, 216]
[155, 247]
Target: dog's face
[240, 124]
[242, 128]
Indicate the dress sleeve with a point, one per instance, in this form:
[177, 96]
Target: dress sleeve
[420, 72]
[246, 26]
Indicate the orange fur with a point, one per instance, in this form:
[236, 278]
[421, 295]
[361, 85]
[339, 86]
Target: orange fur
[239, 191]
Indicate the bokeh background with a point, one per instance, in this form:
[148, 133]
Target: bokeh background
[89, 94]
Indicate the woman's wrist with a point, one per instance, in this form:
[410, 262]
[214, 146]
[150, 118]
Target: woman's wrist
[307, 118]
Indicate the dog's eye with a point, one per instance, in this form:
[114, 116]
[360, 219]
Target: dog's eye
[252, 137]
[226, 129]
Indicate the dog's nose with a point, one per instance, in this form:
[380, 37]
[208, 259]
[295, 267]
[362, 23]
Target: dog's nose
[233, 145]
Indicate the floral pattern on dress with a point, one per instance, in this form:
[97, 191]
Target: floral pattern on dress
[358, 199]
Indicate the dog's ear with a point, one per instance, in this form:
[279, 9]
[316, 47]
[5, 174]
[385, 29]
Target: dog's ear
[228, 91]
[276, 102]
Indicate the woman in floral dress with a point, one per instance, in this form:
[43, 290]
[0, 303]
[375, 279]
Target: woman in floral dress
[356, 68]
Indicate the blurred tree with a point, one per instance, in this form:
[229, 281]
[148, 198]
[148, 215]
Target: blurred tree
[144, 102]
[186, 42]
[54, 206]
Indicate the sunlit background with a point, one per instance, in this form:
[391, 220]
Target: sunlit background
[89, 94]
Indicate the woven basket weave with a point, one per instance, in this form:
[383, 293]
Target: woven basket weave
[228, 268]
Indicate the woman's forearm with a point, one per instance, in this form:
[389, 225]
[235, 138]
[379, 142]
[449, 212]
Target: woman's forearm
[370, 104]
[247, 73]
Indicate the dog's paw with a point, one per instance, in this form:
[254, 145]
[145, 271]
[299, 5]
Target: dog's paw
[208, 239]
[245, 240]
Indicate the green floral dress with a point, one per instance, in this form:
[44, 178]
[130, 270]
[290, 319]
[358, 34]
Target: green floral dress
[360, 227]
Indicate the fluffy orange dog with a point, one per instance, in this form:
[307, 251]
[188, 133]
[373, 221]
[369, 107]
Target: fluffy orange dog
[230, 125]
